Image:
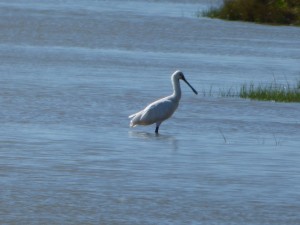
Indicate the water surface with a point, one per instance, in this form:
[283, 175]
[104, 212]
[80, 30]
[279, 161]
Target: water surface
[72, 72]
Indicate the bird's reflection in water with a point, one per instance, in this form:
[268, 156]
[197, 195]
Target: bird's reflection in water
[155, 136]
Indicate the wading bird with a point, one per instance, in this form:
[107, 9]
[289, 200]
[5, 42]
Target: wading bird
[163, 108]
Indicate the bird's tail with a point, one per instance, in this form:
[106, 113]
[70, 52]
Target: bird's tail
[131, 122]
[131, 116]
[134, 119]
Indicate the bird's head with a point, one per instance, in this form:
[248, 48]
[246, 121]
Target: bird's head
[180, 76]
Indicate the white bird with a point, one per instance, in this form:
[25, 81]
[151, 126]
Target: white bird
[163, 108]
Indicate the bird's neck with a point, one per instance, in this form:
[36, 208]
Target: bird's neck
[176, 89]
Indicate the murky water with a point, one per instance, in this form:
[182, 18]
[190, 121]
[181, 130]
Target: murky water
[71, 73]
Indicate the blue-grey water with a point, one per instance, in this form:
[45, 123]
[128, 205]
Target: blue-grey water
[72, 71]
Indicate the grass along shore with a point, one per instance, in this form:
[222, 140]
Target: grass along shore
[269, 92]
[272, 92]
[277, 12]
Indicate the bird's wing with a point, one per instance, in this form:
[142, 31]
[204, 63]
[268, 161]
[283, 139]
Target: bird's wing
[158, 111]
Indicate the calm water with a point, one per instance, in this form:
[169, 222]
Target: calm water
[72, 72]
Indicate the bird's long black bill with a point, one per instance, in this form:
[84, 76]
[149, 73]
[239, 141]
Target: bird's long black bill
[190, 86]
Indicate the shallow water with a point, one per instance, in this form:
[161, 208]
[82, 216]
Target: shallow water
[72, 72]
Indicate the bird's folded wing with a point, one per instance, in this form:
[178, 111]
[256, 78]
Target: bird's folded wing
[156, 112]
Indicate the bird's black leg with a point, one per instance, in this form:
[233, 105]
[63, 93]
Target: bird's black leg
[157, 127]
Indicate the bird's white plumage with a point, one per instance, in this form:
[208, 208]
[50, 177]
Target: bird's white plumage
[157, 111]
[162, 109]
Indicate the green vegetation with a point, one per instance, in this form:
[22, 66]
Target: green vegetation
[285, 12]
[269, 92]
[272, 92]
